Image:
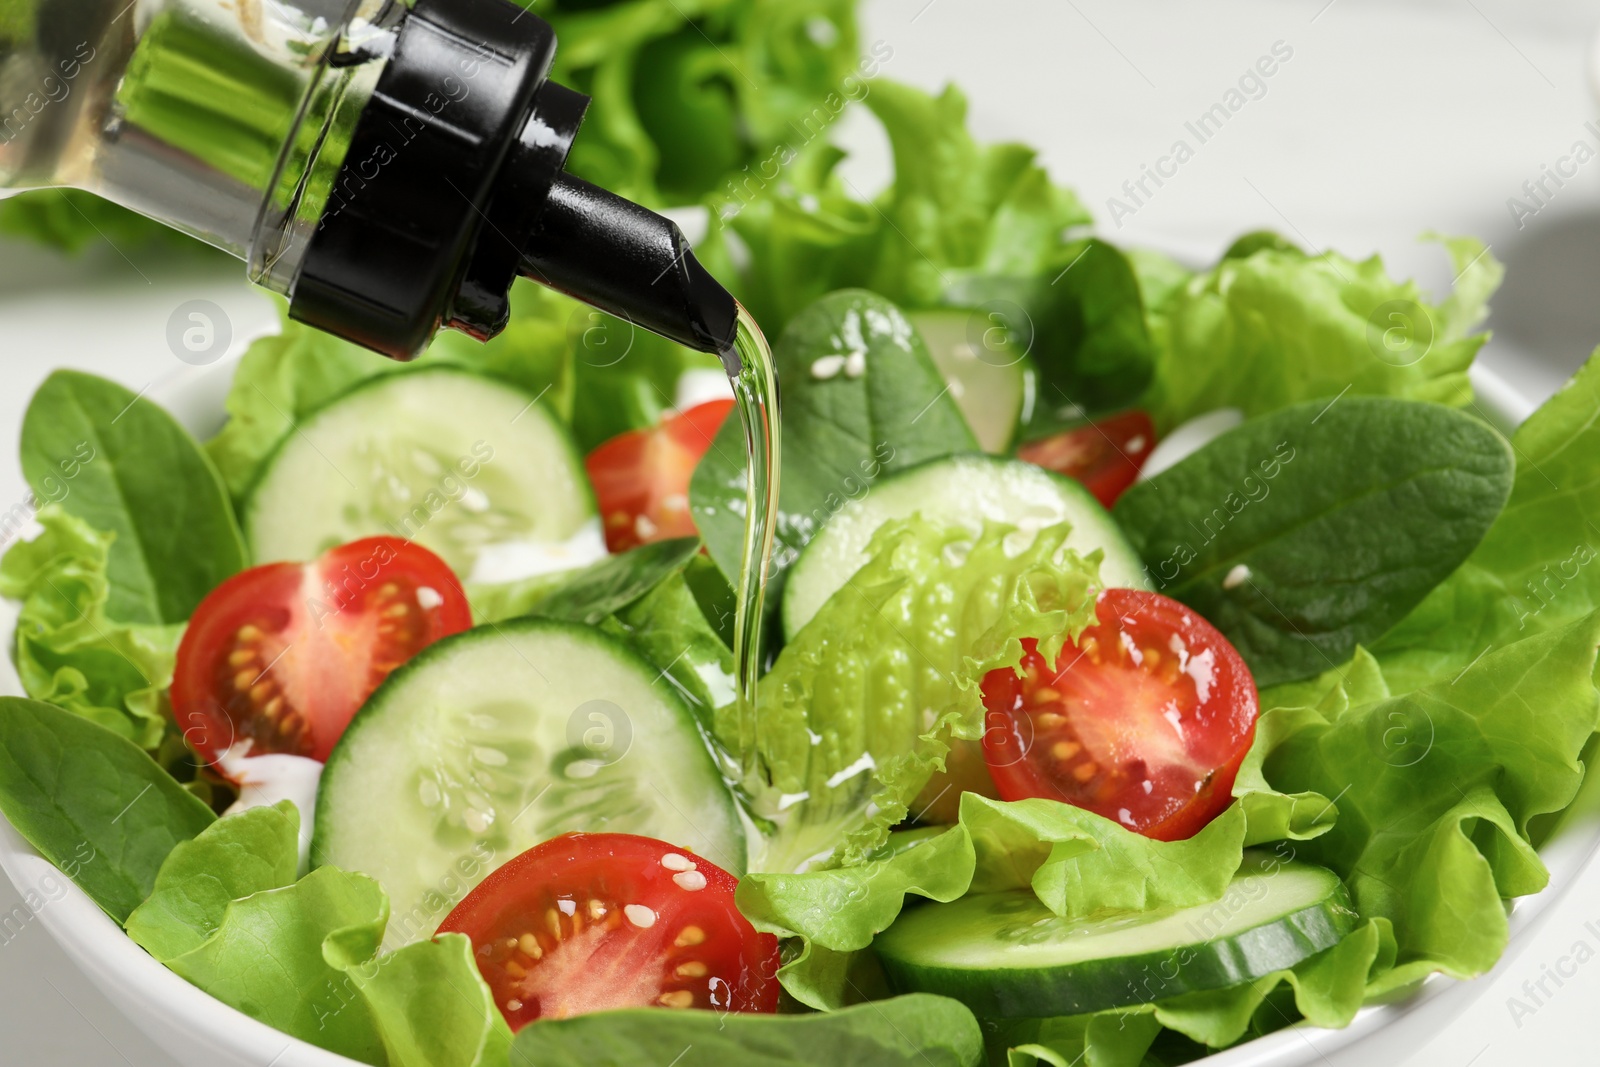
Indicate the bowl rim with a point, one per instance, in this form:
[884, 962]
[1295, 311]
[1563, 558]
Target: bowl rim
[152, 995]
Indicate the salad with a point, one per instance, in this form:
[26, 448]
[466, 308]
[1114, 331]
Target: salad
[1159, 656]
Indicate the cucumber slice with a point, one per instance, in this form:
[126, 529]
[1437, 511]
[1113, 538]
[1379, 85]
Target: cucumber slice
[1005, 955]
[496, 739]
[470, 467]
[965, 489]
[987, 382]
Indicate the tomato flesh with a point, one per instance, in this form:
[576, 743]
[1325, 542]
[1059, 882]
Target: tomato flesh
[641, 478]
[1144, 720]
[278, 658]
[591, 922]
[1105, 456]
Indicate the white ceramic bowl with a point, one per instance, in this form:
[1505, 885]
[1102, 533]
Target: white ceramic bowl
[199, 1031]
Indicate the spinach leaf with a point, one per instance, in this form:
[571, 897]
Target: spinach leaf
[126, 467]
[669, 627]
[606, 587]
[918, 1030]
[861, 399]
[91, 802]
[1307, 532]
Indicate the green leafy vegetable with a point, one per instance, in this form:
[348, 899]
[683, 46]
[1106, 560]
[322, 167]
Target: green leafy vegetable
[228, 915]
[917, 1030]
[670, 628]
[861, 398]
[1535, 569]
[91, 802]
[250, 852]
[1437, 789]
[67, 650]
[958, 208]
[858, 708]
[1309, 531]
[327, 921]
[603, 588]
[124, 466]
[431, 1007]
[687, 92]
[1277, 327]
[957, 213]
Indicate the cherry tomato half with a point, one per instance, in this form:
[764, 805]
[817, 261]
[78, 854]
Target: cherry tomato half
[590, 922]
[1105, 456]
[281, 656]
[1145, 719]
[641, 478]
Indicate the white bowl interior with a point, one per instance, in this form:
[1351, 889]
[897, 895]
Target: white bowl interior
[200, 1031]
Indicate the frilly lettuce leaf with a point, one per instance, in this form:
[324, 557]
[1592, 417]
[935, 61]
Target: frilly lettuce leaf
[67, 651]
[688, 92]
[1535, 569]
[227, 914]
[856, 711]
[957, 211]
[1077, 863]
[1280, 326]
[1437, 788]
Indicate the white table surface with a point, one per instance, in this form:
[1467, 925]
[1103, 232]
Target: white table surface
[1390, 119]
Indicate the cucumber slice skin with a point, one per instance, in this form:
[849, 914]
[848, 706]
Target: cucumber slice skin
[1129, 978]
[300, 503]
[371, 819]
[946, 488]
[990, 394]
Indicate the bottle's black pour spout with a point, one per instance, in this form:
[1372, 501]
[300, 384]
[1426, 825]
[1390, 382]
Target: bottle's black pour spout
[627, 260]
[441, 202]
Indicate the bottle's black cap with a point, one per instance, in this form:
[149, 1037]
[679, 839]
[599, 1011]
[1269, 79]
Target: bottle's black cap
[453, 183]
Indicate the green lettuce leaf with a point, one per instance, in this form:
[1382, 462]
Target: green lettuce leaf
[858, 708]
[1279, 326]
[227, 914]
[67, 650]
[688, 92]
[957, 212]
[958, 208]
[1437, 788]
[280, 956]
[916, 1030]
[430, 1005]
[1535, 570]
[250, 852]
[91, 802]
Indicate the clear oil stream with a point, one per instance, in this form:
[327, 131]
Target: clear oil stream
[756, 389]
